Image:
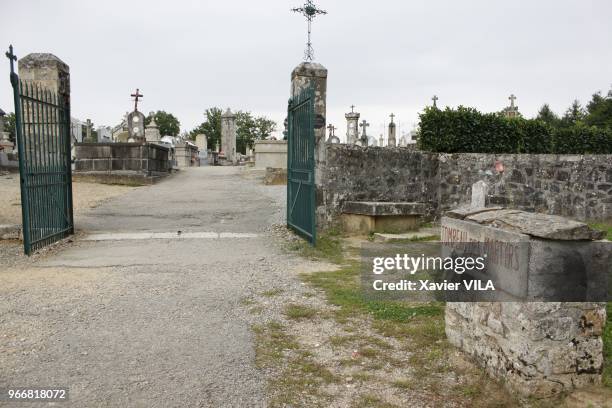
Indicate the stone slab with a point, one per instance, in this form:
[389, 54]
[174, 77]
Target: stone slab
[375, 208]
[414, 235]
[537, 225]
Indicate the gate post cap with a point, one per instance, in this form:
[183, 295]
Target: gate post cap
[309, 69]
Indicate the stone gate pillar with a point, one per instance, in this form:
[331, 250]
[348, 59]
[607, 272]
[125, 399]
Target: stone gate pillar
[228, 135]
[51, 73]
[313, 74]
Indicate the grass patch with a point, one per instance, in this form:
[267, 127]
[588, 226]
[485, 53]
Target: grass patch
[328, 247]
[272, 292]
[297, 312]
[372, 401]
[272, 342]
[603, 227]
[404, 384]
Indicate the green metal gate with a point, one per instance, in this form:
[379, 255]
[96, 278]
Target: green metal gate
[43, 142]
[300, 166]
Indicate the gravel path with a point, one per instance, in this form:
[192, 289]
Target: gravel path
[151, 323]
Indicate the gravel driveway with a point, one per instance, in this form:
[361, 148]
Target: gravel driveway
[150, 322]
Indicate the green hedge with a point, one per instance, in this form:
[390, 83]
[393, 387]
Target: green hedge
[466, 130]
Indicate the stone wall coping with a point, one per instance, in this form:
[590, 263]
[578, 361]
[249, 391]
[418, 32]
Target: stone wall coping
[122, 144]
[270, 142]
[378, 208]
[544, 226]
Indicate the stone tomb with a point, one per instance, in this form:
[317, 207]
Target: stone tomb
[535, 348]
[365, 217]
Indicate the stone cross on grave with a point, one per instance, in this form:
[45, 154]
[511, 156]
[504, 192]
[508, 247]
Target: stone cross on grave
[331, 129]
[512, 99]
[88, 126]
[364, 125]
[136, 96]
[392, 116]
[352, 108]
[435, 100]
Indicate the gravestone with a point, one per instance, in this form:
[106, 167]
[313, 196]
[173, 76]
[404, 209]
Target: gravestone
[332, 138]
[542, 335]
[201, 142]
[88, 135]
[352, 126]
[136, 122]
[228, 136]
[381, 141]
[152, 134]
[391, 140]
[5, 144]
[363, 141]
[480, 191]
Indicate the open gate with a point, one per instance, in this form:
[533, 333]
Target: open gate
[43, 143]
[300, 166]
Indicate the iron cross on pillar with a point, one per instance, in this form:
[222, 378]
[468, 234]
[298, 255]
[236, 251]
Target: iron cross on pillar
[310, 11]
[136, 96]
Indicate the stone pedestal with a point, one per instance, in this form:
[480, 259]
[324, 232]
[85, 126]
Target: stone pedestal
[352, 127]
[536, 348]
[228, 136]
[152, 134]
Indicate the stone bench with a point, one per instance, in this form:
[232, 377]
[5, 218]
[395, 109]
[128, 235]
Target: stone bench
[365, 217]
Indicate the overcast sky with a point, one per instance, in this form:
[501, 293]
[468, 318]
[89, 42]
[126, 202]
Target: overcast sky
[383, 56]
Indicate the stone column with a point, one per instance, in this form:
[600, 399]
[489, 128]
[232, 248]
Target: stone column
[51, 73]
[381, 141]
[228, 135]
[313, 74]
[391, 141]
[352, 127]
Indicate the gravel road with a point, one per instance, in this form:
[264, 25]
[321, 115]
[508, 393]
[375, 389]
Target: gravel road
[157, 322]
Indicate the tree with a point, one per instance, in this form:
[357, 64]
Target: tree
[211, 127]
[548, 116]
[599, 110]
[167, 123]
[9, 126]
[573, 115]
[248, 129]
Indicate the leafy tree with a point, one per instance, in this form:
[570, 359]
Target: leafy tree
[599, 110]
[547, 116]
[168, 124]
[573, 115]
[211, 127]
[9, 126]
[248, 128]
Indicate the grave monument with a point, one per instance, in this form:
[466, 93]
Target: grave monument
[228, 136]
[391, 141]
[135, 121]
[352, 126]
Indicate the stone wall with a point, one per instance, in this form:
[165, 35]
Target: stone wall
[121, 157]
[579, 187]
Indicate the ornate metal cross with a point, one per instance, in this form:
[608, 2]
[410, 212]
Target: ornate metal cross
[435, 99]
[310, 11]
[512, 99]
[136, 96]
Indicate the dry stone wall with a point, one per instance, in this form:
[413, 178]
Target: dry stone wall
[576, 186]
